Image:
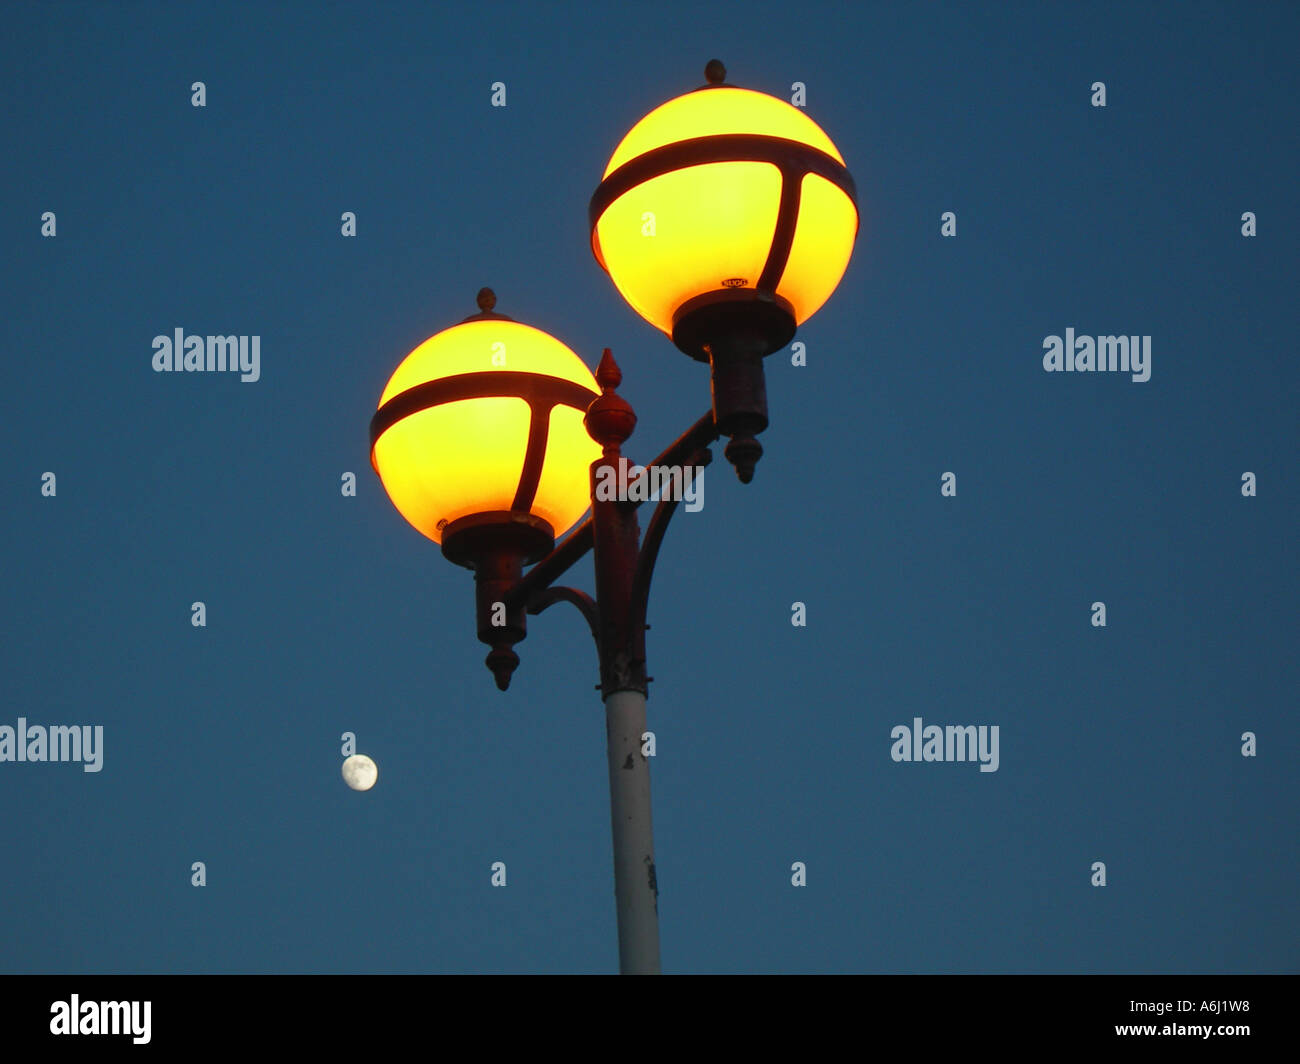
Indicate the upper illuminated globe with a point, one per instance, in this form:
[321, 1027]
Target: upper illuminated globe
[724, 190]
[486, 418]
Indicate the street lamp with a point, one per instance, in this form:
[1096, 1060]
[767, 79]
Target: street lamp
[726, 218]
[480, 445]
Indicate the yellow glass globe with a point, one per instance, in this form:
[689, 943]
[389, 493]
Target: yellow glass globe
[702, 226]
[463, 411]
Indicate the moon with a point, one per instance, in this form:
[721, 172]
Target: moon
[359, 772]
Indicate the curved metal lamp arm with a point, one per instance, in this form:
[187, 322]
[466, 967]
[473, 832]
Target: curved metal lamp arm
[586, 605]
[649, 554]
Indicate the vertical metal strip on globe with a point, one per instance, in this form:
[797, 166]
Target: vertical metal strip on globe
[787, 221]
[530, 476]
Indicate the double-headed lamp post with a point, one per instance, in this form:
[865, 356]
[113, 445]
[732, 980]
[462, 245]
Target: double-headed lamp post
[725, 218]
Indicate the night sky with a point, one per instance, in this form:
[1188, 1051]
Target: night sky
[1119, 744]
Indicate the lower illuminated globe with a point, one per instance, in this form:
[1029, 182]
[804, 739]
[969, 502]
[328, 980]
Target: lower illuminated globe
[486, 417]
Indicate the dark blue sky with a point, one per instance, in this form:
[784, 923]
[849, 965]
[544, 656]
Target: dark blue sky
[1118, 744]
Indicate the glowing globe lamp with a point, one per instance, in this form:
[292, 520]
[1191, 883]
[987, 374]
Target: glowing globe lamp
[486, 418]
[480, 443]
[726, 218]
[724, 191]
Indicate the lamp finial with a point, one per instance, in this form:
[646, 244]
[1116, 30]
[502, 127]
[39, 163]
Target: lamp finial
[610, 418]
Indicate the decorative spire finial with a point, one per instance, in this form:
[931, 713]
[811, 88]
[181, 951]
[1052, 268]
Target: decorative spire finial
[608, 375]
[610, 418]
